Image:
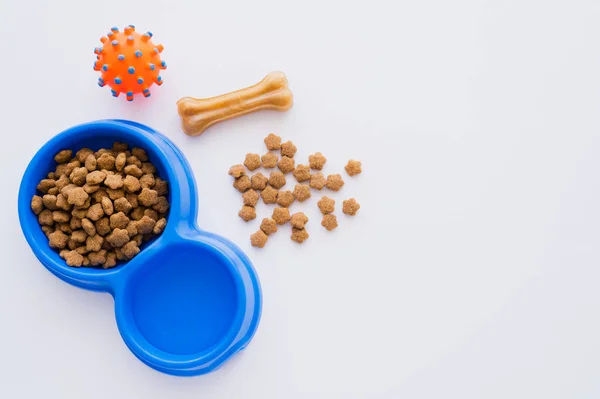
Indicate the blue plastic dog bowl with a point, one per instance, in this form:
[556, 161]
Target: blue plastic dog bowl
[190, 299]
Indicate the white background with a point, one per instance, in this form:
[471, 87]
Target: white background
[472, 268]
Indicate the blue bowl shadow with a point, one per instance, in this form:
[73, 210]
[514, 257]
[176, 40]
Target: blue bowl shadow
[191, 299]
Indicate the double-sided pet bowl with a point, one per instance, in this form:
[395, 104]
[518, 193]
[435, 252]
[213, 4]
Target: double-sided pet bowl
[190, 299]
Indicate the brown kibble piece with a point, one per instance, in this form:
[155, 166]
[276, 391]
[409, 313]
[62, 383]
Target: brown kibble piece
[107, 206]
[250, 197]
[335, 182]
[89, 227]
[317, 181]
[102, 226]
[329, 221]
[118, 220]
[98, 195]
[316, 161]
[97, 258]
[162, 206]
[252, 161]
[118, 238]
[133, 170]
[114, 181]
[58, 239]
[147, 181]
[299, 235]
[132, 198]
[79, 213]
[64, 227]
[350, 207]
[277, 179]
[148, 197]
[95, 212]
[120, 147]
[298, 220]
[302, 192]
[151, 213]
[148, 168]
[53, 191]
[130, 249]
[73, 259]
[281, 215]
[90, 189]
[79, 236]
[259, 181]
[145, 225]
[94, 243]
[133, 160]
[273, 142]
[61, 216]
[77, 196]
[83, 154]
[269, 160]
[286, 164]
[63, 156]
[237, 171]
[49, 201]
[122, 205]
[288, 149]
[75, 223]
[37, 204]
[48, 230]
[137, 213]
[159, 226]
[258, 239]
[268, 226]
[132, 228]
[62, 203]
[62, 182]
[120, 161]
[247, 213]
[301, 173]
[326, 205]
[111, 260]
[161, 186]
[139, 153]
[106, 161]
[45, 185]
[78, 176]
[269, 195]
[115, 194]
[86, 204]
[131, 184]
[285, 198]
[242, 183]
[353, 167]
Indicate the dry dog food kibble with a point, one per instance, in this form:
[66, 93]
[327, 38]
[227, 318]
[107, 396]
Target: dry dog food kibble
[277, 179]
[299, 235]
[259, 181]
[301, 173]
[350, 207]
[237, 171]
[288, 149]
[326, 205]
[269, 195]
[258, 239]
[316, 161]
[329, 221]
[268, 226]
[273, 142]
[298, 220]
[242, 183]
[250, 198]
[302, 192]
[285, 198]
[286, 164]
[317, 181]
[247, 213]
[269, 160]
[85, 202]
[334, 182]
[353, 167]
[252, 161]
[281, 215]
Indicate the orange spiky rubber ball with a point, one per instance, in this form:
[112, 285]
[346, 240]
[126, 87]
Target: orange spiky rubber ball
[129, 62]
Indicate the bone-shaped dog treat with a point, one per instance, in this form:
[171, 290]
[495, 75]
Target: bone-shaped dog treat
[197, 115]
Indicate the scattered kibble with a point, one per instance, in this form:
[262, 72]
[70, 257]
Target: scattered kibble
[353, 167]
[302, 192]
[252, 161]
[285, 198]
[281, 215]
[268, 226]
[329, 221]
[317, 181]
[302, 173]
[242, 183]
[326, 205]
[83, 205]
[350, 207]
[299, 235]
[298, 220]
[277, 179]
[334, 182]
[258, 181]
[258, 239]
[317, 161]
[237, 171]
[247, 213]
[273, 142]
[250, 198]
[269, 195]
[288, 149]
[286, 164]
[269, 160]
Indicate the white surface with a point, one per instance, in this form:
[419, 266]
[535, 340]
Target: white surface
[471, 270]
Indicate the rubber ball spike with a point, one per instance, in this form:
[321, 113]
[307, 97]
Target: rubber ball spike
[139, 72]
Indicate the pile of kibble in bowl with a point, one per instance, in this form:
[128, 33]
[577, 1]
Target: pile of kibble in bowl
[270, 189]
[98, 207]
